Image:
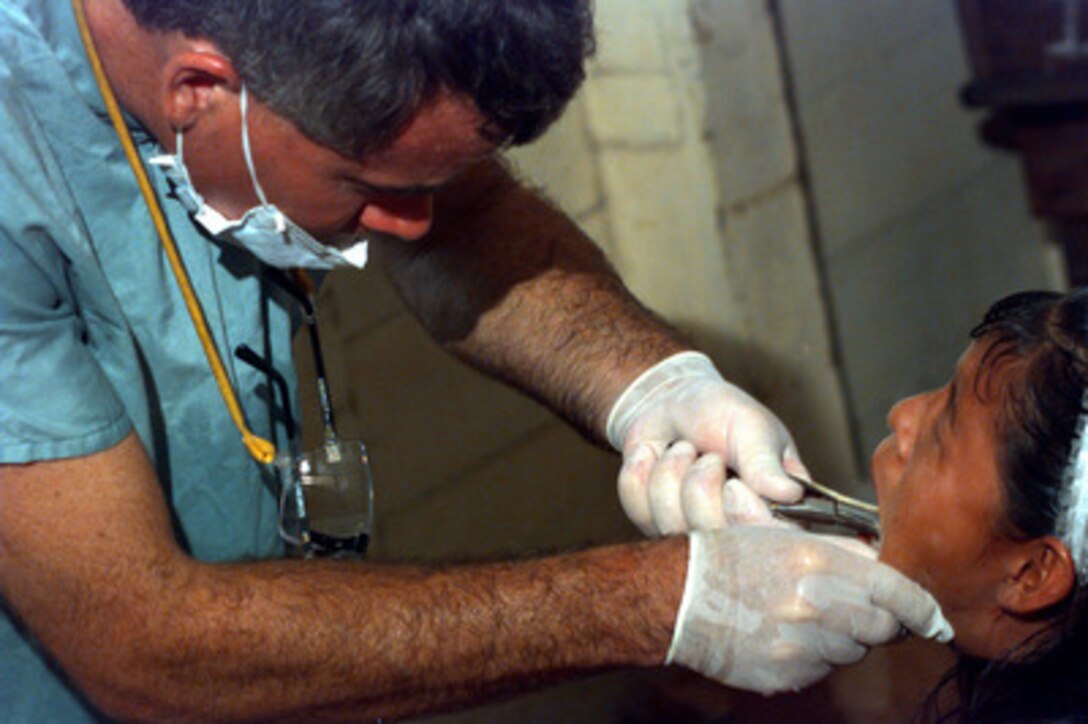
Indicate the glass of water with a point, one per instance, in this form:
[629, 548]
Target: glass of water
[327, 500]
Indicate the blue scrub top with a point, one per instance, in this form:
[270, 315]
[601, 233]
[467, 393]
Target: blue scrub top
[95, 340]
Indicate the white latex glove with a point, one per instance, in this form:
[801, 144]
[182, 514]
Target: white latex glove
[683, 402]
[685, 491]
[775, 609]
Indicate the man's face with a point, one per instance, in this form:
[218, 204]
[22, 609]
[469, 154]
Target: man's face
[325, 193]
[938, 489]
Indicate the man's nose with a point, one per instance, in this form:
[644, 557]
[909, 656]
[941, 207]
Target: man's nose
[407, 218]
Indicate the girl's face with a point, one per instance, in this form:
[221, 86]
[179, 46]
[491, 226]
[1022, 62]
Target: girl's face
[940, 499]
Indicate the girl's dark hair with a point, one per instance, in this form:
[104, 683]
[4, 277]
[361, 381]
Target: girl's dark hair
[1046, 335]
[350, 73]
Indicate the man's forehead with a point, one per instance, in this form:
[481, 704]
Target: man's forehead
[442, 139]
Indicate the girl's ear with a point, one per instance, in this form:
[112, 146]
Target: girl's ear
[1038, 574]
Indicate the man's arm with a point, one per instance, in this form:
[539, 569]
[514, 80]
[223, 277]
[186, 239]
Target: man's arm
[511, 285]
[88, 561]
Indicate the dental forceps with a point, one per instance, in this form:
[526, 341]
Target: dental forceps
[824, 506]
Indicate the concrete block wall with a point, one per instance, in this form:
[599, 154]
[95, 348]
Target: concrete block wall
[693, 144]
[644, 116]
[785, 354]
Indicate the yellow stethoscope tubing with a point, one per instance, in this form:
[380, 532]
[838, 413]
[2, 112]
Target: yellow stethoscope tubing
[262, 450]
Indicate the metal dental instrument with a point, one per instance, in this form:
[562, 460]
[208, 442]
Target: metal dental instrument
[824, 506]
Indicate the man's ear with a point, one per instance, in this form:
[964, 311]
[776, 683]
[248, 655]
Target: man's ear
[1039, 574]
[193, 79]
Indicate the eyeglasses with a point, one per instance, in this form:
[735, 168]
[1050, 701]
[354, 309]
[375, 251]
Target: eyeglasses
[327, 500]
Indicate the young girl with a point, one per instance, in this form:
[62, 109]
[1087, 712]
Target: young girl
[984, 500]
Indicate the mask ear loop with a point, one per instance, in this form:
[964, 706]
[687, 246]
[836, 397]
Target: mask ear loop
[262, 450]
[243, 102]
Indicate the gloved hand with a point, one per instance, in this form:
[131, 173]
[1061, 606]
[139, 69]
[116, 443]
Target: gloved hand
[667, 489]
[775, 609]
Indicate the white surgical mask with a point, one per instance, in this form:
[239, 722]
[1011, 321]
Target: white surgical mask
[264, 230]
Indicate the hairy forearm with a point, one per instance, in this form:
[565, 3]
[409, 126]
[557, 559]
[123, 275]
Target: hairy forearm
[511, 285]
[146, 632]
[338, 639]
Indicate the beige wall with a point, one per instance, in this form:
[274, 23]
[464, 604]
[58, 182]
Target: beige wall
[920, 227]
[818, 217]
